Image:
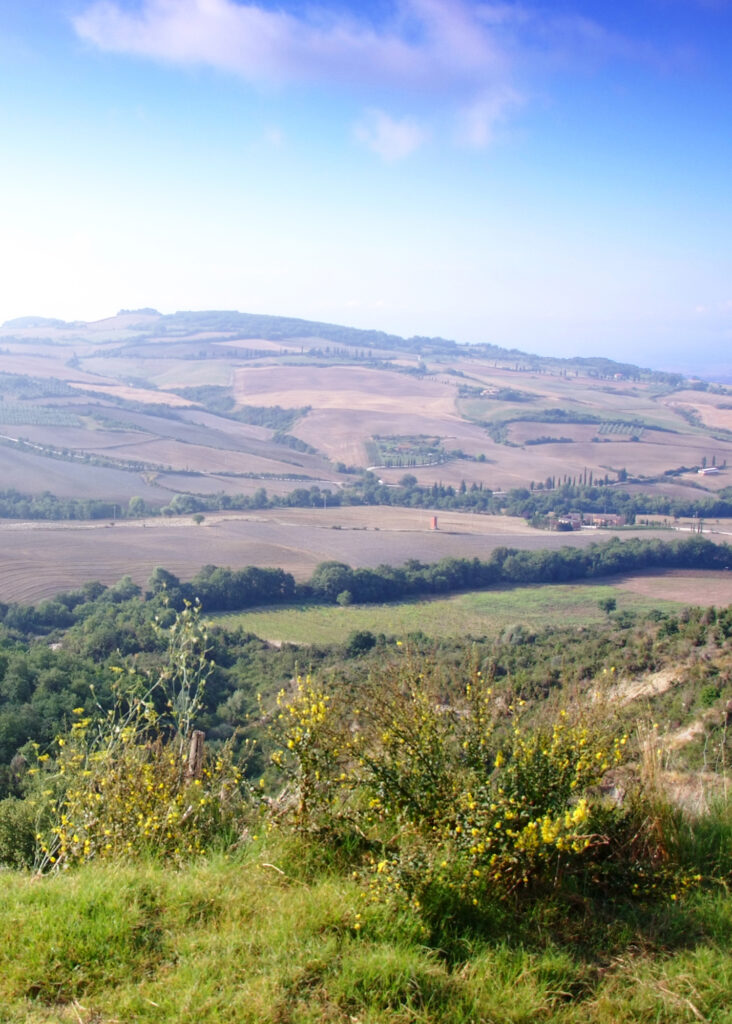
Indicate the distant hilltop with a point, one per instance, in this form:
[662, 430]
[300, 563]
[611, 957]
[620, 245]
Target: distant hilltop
[37, 321]
[242, 326]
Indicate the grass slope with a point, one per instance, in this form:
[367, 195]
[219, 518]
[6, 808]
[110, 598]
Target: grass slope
[269, 939]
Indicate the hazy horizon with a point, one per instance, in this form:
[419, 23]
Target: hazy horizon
[719, 372]
[548, 178]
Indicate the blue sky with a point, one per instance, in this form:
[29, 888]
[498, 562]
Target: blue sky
[555, 176]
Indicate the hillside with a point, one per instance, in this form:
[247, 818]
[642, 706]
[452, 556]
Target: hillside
[218, 405]
[529, 827]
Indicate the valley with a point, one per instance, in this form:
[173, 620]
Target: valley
[38, 559]
[460, 669]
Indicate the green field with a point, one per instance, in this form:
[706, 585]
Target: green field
[478, 613]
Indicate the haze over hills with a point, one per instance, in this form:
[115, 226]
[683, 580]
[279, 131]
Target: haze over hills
[278, 328]
[165, 407]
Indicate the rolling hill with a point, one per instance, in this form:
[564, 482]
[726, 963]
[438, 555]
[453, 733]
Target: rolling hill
[143, 405]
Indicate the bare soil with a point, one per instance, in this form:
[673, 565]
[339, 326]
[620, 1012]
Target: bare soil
[39, 559]
[688, 586]
[713, 410]
[348, 388]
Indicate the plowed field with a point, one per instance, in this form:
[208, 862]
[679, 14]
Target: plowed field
[39, 559]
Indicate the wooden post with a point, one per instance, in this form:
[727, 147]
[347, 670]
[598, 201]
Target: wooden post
[195, 756]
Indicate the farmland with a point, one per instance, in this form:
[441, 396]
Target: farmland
[39, 559]
[152, 406]
[485, 613]
[294, 448]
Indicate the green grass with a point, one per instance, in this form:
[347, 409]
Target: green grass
[259, 939]
[478, 613]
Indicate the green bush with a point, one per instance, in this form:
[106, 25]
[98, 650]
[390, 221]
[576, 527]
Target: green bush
[709, 695]
[17, 833]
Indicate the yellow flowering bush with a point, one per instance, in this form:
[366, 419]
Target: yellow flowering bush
[529, 818]
[120, 783]
[468, 798]
[310, 747]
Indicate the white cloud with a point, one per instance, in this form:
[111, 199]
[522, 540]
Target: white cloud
[442, 51]
[392, 138]
[263, 46]
[463, 55]
[477, 122]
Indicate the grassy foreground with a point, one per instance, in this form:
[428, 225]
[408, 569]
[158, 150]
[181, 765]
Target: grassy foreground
[269, 936]
[433, 847]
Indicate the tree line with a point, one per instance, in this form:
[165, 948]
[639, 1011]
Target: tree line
[225, 589]
[531, 503]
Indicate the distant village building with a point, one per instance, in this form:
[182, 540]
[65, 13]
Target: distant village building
[589, 520]
[603, 519]
[573, 520]
[708, 471]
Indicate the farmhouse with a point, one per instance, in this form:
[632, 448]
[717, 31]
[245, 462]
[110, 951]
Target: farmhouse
[708, 471]
[603, 519]
[571, 519]
[590, 520]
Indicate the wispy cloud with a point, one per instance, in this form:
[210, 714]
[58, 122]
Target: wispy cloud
[392, 138]
[274, 137]
[273, 46]
[442, 52]
[460, 54]
[477, 122]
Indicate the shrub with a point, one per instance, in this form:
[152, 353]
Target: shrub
[124, 783]
[17, 833]
[465, 800]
